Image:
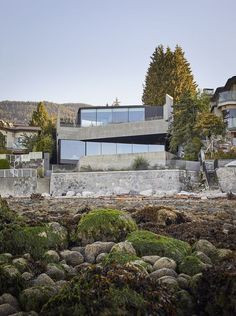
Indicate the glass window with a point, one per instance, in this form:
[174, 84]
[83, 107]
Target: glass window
[136, 114]
[140, 148]
[88, 117]
[108, 148]
[104, 116]
[93, 148]
[120, 115]
[124, 148]
[155, 148]
[72, 149]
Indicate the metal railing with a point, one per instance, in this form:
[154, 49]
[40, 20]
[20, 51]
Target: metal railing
[18, 173]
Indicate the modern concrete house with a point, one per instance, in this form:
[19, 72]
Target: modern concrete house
[11, 135]
[111, 137]
[223, 103]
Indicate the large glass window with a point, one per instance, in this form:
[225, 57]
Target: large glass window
[108, 148]
[124, 148]
[155, 148]
[136, 114]
[120, 115]
[140, 148]
[93, 148]
[72, 149]
[104, 116]
[88, 117]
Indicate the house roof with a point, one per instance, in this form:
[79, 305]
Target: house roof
[20, 128]
[226, 87]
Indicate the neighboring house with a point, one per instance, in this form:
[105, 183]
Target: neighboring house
[11, 135]
[223, 103]
[114, 133]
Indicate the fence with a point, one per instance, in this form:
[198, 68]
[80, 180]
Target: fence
[18, 173]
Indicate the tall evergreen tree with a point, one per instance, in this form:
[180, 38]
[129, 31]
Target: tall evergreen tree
[169, 72]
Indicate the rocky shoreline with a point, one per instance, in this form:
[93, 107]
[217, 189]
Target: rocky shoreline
[173, 247]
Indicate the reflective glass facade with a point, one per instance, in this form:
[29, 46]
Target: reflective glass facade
[74, 149]
[104, 116]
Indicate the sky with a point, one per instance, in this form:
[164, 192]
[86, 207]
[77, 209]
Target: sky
[93, 51]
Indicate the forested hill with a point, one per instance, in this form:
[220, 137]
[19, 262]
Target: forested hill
[21, 112]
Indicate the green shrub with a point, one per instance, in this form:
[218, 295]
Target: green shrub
[4, 164]
[10, 280]
[111, 291]
[147, 243]
[140, 163]
[191, 265]
[105, 225]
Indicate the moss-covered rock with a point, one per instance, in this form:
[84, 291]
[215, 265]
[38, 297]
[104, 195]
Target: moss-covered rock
[34, 240]
[10, 280]
[191, 265]
[118, 258]
[35, 297]
[147, 243]
[105, 225]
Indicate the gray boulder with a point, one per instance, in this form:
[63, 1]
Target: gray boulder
[43, 279]
[94, 249]
[207, 248]
[21, 264]
[51, 256]
[125, 247]
[150, 259]
[7, 298]
[157, 274]
[165, 262]
[72, 258]
[55, 273]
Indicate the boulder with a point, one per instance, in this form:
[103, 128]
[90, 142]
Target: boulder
[72, 258]
[124, 246]
[27, 276]
[55, 272]
[203, 257]
[6, 309]
[43, 279]
[224, 254]
[150, 259]
[21, 264]
[51, 256]
[100, 257]
[70, 193]
[165, 262]
[34, 298]
[7, 298]
[192, 265]
[5, 258]
[207, 248]
[94, 249]
[169, 281]
[157, 274]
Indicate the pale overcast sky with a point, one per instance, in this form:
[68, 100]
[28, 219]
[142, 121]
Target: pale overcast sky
[93, 51]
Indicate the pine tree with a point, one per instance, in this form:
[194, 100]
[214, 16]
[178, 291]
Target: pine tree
[41, 118]
[168, 73]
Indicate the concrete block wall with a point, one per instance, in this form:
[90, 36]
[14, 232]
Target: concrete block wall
[123, 182]
[23, 186]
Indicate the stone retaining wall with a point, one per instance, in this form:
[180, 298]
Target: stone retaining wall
[227, 179]
[147, 182]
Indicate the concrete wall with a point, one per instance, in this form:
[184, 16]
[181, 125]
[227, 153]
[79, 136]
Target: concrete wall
[120, 161]
[113, 130]
[18, 186]
[123, 182]
[227, 178]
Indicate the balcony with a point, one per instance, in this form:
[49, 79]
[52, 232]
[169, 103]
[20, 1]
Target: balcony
[227, 98]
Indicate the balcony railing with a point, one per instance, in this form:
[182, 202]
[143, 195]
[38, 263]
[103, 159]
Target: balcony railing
[227, 96]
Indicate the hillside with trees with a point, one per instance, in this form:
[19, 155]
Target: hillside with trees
[21, 112]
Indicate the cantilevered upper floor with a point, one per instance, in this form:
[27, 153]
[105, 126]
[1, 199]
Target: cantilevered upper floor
[113, 122]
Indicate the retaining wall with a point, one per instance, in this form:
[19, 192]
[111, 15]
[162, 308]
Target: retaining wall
[123, 182]
[19, 182]
[227, 178]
